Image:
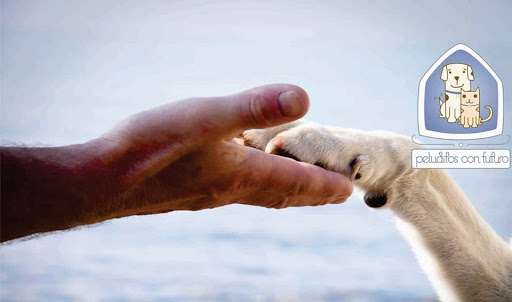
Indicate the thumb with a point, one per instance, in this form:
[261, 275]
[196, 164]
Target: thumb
[269, 105]
[260, 107]
[161, 132]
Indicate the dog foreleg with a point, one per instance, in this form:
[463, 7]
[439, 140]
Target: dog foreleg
[452, 117]
[462, 256]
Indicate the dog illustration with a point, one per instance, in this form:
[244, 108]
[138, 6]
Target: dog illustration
[456, 76]
[470, 109]
[463, 257]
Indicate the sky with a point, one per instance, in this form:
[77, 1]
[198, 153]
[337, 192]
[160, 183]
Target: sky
[70, 70]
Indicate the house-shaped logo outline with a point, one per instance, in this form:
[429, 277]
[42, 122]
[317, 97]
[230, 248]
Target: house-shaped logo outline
[423, 131]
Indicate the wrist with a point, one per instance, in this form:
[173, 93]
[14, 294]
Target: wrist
[101, 180]
[106, 175]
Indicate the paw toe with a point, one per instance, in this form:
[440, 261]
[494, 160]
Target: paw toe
[274, 145]
[355, 167]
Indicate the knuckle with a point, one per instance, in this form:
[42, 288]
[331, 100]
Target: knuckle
[256, 113]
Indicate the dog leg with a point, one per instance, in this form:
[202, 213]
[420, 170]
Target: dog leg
[457, 112]
[462, 256]
[452, 118]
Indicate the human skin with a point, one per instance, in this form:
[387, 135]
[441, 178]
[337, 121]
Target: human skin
[179, 156]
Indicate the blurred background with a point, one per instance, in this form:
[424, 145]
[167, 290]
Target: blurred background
[71, 69]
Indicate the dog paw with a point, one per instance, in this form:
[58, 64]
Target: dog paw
[332, 149]
[371, 159]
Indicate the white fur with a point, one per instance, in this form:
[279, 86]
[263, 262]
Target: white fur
[463, 257]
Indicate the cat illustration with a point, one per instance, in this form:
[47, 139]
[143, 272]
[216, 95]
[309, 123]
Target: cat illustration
[470, 109]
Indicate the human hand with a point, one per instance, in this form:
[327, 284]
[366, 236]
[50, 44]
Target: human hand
[182, 156]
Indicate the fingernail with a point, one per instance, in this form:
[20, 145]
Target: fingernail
[290, 104]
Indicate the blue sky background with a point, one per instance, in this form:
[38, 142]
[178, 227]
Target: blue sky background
[71, 69]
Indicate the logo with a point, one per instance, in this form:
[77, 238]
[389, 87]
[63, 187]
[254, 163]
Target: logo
[460, 97]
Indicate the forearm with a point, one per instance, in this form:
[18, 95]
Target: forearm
[443, 225]
[49, 189]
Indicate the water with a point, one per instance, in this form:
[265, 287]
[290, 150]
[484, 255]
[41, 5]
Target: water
[235, 253]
